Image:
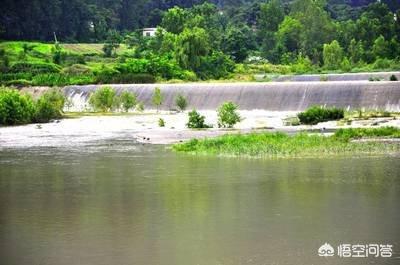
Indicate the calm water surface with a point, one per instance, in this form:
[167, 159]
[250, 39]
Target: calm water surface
[118, 203]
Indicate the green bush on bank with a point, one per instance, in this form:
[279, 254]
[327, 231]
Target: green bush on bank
[49, 106]
[228, 115]
[196, 121]
[103, 99]
[17, 108]
[319, 114]
[127, 100]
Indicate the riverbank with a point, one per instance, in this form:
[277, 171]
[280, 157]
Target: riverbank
[81, 129]
[303, 144]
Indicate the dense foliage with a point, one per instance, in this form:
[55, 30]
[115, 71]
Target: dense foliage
[103, 99]
[194, 40]
[228, 115]
[17, 108]
[181, 102]
[318, 114]
[196, 120]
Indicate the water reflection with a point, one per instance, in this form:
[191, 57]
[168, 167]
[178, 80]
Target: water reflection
[146, 205]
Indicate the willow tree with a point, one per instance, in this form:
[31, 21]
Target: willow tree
[192, 44]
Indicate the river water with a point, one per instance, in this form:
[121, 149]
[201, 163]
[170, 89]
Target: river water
[114, 202]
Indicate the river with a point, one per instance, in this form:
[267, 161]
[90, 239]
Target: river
[114, 202]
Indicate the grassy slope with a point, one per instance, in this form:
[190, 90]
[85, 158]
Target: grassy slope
[300, 145]
[13, 48]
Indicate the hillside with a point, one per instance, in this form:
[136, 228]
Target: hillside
[90, 20]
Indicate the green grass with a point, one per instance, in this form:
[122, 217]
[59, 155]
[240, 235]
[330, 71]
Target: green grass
[299, 145]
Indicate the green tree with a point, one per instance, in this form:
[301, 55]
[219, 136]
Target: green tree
[333, 55]
[103, 99]
[174, 20]
[192, 45]
[356, 51]
[380, 48]
[15, 108]
[196, 121]
[181, 102]
[288, 35]
[270, 16]
[157, 98]
[228, 115]
[238, 42]
[49, 106]
[112, 43]
[127, 100]
[317, 26]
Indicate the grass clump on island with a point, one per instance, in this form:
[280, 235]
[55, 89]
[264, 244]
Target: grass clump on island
[300, 145]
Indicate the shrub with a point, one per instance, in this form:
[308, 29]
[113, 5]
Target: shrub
[112, 76]
[227, 115]
[18, 83]
[382, 64]
[393, 78]
[157, 98]
[352, 133]
[215, 66]
[318, 114]
[303, 65]
[161, 122]
[15, 108]
[181, 102]
[133, 79]
[345, 65]
[34, 68]
[103, 99]
[106, 75]
[196, 121]
[61, 80]
[77, 69]
[140, 107]
[127, 100]
[49, 106]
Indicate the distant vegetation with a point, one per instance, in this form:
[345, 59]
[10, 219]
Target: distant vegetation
[299, 145]
[106, 99]
[193, 42]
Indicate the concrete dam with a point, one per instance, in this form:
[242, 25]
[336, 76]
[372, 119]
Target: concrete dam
[270, 96]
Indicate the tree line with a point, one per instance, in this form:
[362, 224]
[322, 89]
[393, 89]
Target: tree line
[207, 40]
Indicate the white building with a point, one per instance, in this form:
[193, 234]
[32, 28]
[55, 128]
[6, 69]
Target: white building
[149, 32]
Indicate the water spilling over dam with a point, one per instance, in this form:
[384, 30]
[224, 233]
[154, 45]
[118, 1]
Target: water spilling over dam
[273, 96]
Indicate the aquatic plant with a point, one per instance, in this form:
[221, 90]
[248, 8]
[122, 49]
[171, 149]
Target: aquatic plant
[300, 145]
